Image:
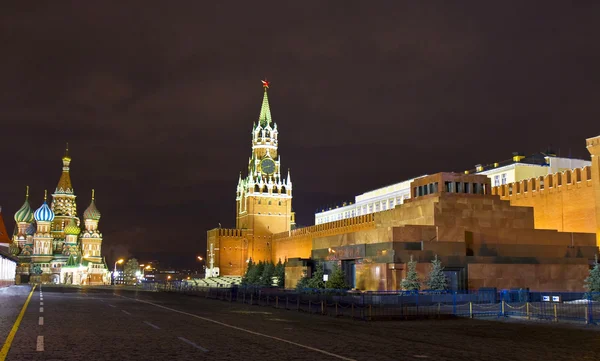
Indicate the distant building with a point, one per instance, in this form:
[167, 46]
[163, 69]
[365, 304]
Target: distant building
[521, 167]
[8, 262]
[511, 170]
[377, 200]
[50, 244]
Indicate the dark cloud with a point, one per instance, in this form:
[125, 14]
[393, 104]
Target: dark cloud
[157, 100]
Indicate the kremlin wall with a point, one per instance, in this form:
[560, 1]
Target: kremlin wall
[540, 233]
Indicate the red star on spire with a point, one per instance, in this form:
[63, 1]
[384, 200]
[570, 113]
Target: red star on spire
[265, 84]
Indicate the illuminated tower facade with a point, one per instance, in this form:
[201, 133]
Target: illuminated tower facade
[42, 239]
[64, 207]
[91, 238]
[264, 197]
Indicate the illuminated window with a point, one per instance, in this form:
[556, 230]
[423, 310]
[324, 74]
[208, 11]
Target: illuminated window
[503, 178]
[496, 180]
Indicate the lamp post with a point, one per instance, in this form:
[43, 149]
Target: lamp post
[200, 259]
[115, 270]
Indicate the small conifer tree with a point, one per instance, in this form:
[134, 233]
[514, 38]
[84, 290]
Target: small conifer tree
[302, 283]
[437, 280]
[280, 274]
[255, 274]
[337, 280]
[316, 280]
[411, 282]
[245, 278]
[592, 282]
[266, 279]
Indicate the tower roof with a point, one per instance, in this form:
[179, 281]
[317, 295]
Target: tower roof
[92, 212]
[4, 238]
[264, 118]
[64, 183]
[25, 214]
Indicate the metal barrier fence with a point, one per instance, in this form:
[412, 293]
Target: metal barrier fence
[556, 307]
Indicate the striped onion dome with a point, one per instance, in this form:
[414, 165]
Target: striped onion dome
[92, 212]
[24, 214]
[44, 213]
[72, 228]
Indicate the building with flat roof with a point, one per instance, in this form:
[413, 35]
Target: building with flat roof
[511, 170]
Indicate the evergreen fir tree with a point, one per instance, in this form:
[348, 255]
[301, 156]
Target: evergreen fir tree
[592, 282]
[437, 280]
[245, 278]
[280, 274]
[255, 274]
[411, 282]
[316, 280]
[302, 283]
[337, 280]
[266, 279]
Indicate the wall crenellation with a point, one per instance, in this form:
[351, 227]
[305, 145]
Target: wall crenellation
[325, 227]
[550, 182]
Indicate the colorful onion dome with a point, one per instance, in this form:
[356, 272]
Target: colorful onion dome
[44, 213]
[24, 214]
[92, 212]
[72, 228]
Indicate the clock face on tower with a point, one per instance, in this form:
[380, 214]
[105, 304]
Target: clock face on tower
[267, 166]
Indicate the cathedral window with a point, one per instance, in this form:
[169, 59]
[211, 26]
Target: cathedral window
[269, 202]
[279, 203]
[259, 201]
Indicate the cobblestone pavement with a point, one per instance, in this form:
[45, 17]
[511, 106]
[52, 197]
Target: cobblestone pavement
[117, 324]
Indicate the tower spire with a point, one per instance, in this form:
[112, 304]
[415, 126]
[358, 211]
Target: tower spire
[45, 195]
[66, 156]
[64, 183]
[26, 193]
[265, 111]
[93, 194]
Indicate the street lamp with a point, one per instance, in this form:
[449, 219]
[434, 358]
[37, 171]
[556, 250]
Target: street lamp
[115, 270]
[200, 258]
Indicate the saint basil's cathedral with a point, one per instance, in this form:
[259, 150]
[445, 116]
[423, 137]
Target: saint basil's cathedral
[50, 243]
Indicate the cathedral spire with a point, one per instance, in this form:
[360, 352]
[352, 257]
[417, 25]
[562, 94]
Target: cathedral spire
[64, 183]
[265, 111]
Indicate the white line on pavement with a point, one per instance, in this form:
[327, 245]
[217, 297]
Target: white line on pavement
[246, 330]
[125, 312]
[41, 309]
[151, 325]
[193, 344]
[41, 303]
[40, 344]
[112, 306]
[41, 321]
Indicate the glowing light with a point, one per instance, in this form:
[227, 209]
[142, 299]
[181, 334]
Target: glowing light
[120, 261]
[148, 267]
[168, 277]
[200, 258]
[265, 84]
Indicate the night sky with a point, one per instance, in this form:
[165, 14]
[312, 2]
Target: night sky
[157, 101]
